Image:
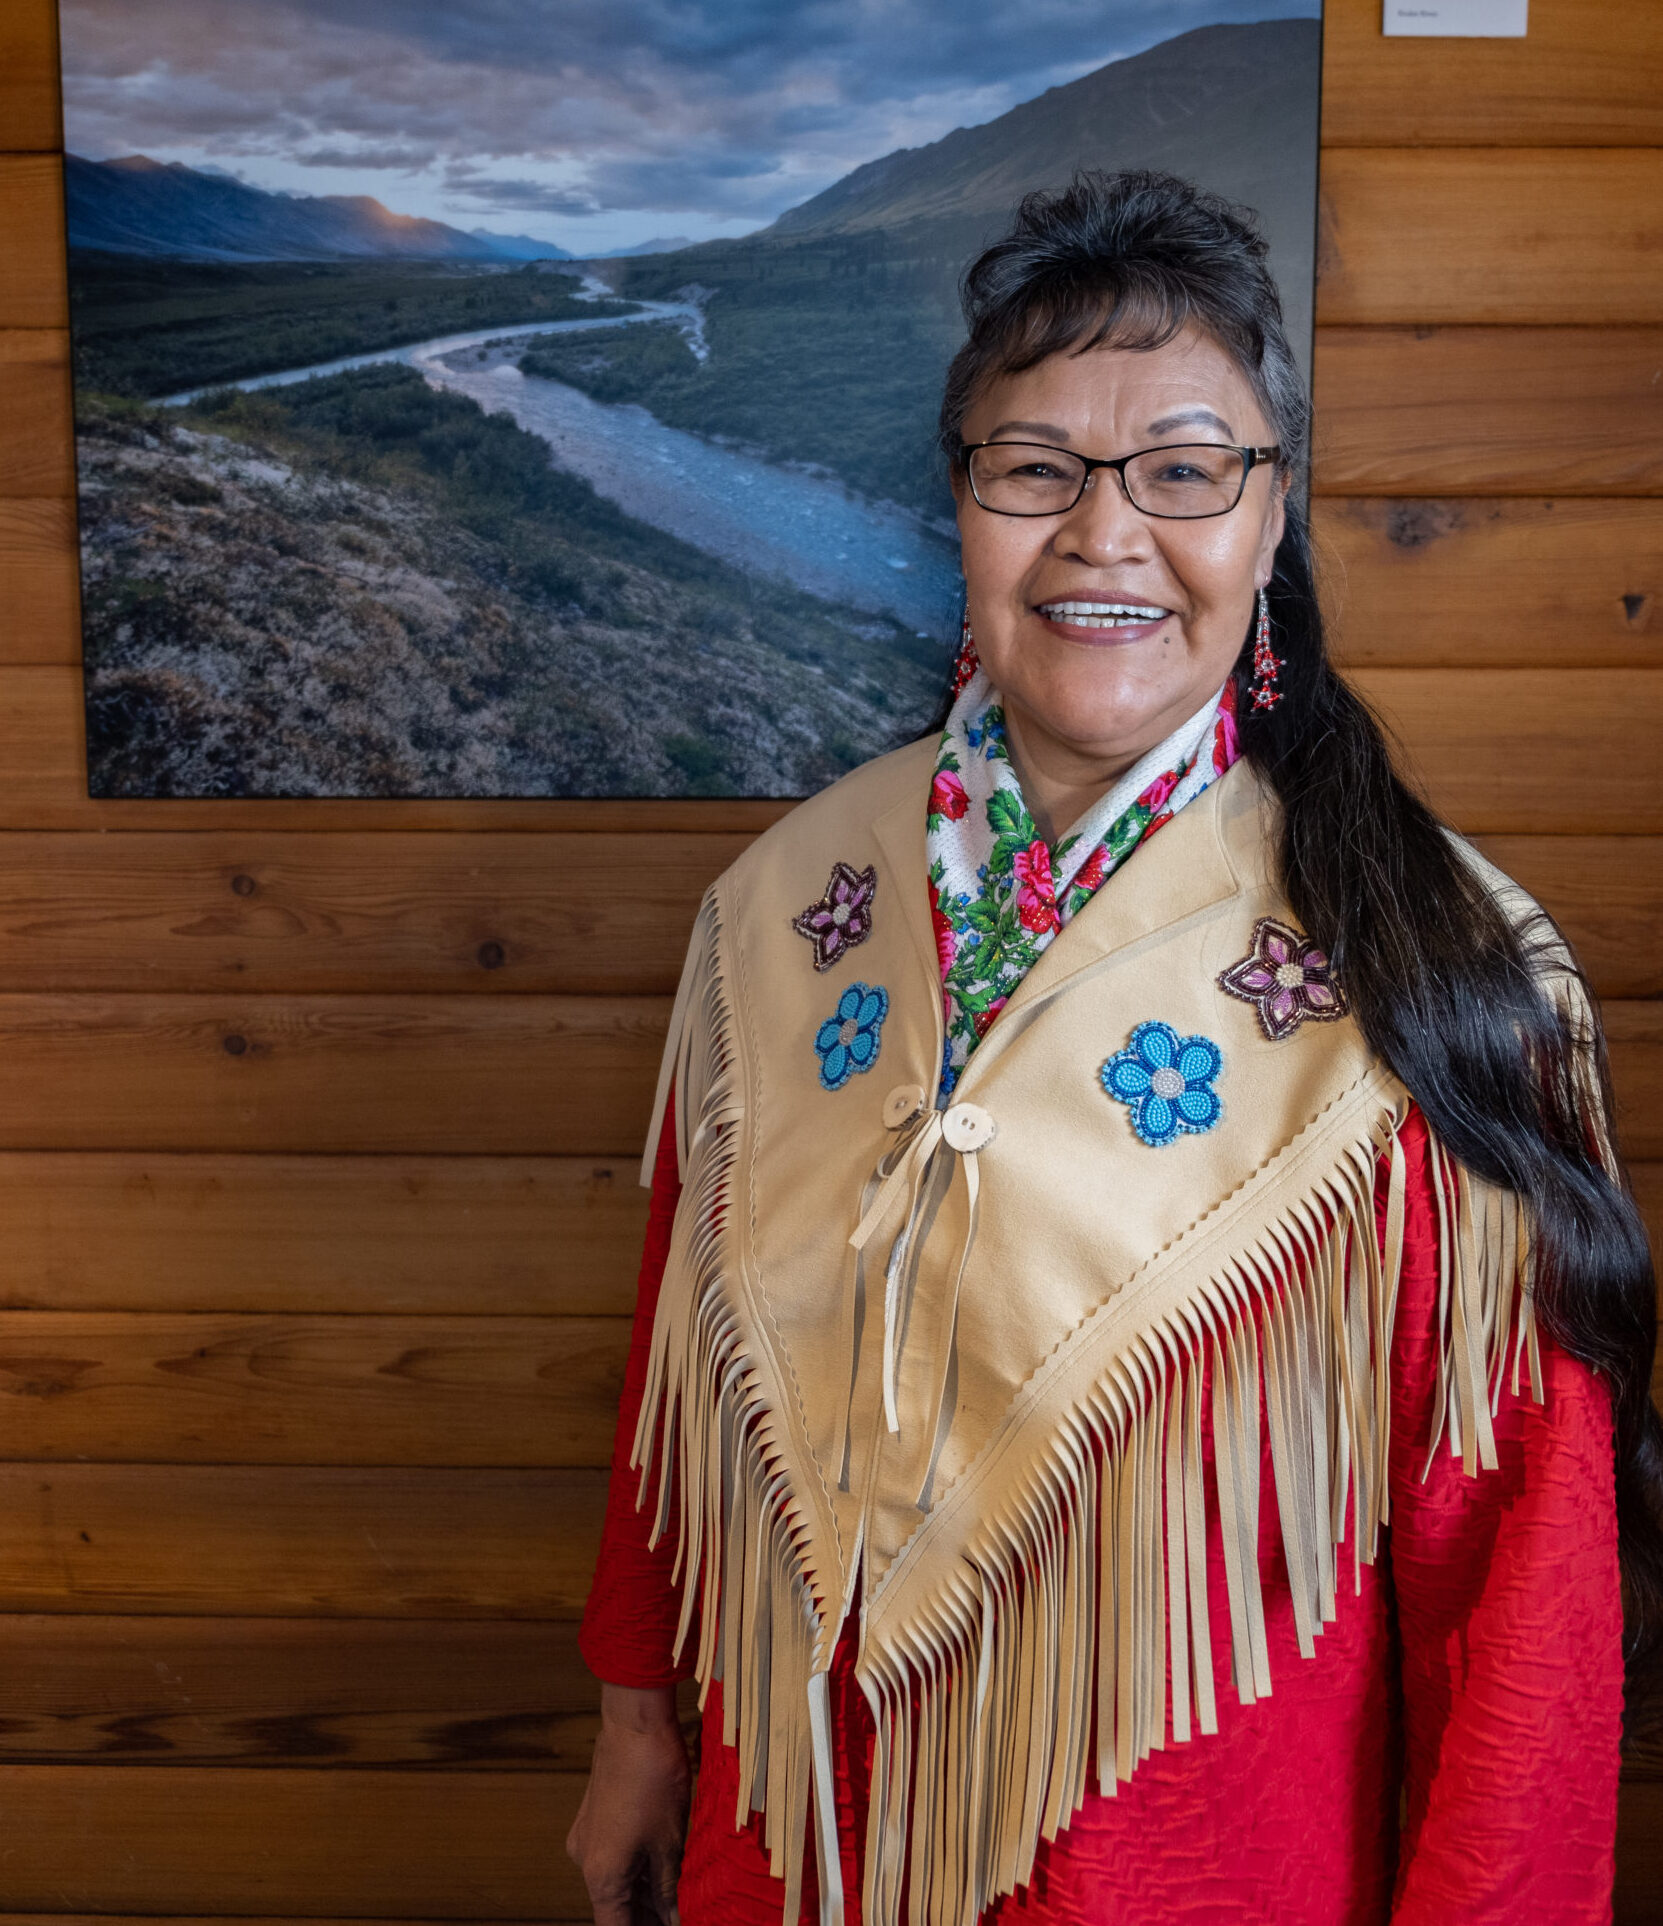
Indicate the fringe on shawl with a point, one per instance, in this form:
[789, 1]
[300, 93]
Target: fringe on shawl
[1076, 1593]
[710, 1439]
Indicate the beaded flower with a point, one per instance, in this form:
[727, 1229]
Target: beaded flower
[842, 917]
[1286, 978]
[847, 1042]
[1166, 1081]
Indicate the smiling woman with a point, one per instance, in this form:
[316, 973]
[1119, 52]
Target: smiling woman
[1244, 1203]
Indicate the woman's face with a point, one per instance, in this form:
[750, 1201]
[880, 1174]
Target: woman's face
[1105, 688]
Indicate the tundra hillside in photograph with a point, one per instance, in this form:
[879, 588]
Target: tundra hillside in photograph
[485, 402]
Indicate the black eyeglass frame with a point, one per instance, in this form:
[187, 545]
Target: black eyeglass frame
[1251, 458]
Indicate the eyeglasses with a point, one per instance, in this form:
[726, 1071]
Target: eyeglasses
[1185, 482]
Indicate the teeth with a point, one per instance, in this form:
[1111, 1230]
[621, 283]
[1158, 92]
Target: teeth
[1091, 614]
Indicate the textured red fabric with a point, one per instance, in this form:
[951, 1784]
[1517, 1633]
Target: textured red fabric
[1478, 1672]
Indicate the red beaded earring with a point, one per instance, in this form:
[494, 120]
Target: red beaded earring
[1265, 665]
[968, 662]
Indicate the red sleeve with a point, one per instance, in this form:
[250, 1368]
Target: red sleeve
[629, 1624]
[1510, 1617]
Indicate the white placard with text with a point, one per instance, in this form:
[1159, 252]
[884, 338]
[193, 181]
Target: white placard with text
[1500, 19]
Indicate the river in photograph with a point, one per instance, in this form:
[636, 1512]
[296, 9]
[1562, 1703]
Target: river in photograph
[759, 516]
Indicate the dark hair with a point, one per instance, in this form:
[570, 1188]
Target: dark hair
[1446, 989]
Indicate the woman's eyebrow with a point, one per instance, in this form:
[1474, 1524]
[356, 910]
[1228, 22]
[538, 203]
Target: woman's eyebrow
[1189, 417]
[1047, 430]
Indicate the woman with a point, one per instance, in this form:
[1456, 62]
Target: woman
[1089, 1238]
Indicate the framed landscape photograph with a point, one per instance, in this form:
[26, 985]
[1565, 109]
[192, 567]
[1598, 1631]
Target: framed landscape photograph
[475, 401]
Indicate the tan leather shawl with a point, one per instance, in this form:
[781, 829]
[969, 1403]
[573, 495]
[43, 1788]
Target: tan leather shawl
[1029, 1541]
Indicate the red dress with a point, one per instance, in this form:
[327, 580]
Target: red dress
[1479, 1671]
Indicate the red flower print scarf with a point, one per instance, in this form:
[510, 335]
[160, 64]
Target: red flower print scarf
[999, 892]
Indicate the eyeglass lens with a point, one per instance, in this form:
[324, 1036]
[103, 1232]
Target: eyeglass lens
[1021, 478]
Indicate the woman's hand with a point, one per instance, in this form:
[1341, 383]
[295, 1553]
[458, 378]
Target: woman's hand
[628, 1834]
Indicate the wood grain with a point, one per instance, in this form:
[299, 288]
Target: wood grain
[1588, 71]
[491, 1236]
[1489, 411]
[33, 291]
[501, 1075]
[203, 1840]
[1492, 583]
[428, 1693]
[298, 1541]
[29, 112]
[1605, 892]
[196, 1388]
[1528, 751]
[488, 914]
[40, 605]
[36, 453]
[1634, 1032]
[578, 915]
[1490, 234]
[1470, 730]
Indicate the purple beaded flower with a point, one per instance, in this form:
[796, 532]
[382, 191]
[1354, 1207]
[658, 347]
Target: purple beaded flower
[1287, 979]
[842, 917]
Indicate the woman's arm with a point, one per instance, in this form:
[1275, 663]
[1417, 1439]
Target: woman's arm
[628, 1834]
[1509, 1611]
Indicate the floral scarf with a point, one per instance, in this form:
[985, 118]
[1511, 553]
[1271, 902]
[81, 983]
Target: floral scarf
[999, 892]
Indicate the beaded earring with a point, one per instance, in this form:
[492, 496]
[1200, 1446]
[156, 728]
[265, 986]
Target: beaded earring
[968, 662]
[1265, 665]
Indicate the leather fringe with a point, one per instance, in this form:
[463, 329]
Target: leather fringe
[1045, 1665]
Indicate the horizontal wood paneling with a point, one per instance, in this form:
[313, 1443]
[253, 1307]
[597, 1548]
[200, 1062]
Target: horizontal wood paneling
[39, 586]
[308, 914]
[1458, 583]
[390, 1074]
[1592, 728]
[1588, 71]
[1489, 411]
[33, 293]
[29, 116]
[1634, 1032]
[36, 453]
[1605, 892]
[195, 1840]
[1528, 751]
[1520, 236]
[297, 1541]
[503, 1236]
[418, 1074]
[445, 1693]
[162, 1387]
[313, 915]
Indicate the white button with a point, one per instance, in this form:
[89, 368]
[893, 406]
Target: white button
[902, 1104]
[967, 1127]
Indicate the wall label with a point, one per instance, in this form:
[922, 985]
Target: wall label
[1498, 19]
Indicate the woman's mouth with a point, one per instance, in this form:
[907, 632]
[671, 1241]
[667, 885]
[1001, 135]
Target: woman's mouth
[1091, 621]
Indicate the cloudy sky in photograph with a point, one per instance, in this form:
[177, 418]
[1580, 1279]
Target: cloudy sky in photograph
[595, 124]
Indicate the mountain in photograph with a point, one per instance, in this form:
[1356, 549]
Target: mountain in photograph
[1220, 105]
[166, 210]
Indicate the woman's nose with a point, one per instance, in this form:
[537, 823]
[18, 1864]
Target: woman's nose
[1103, 525]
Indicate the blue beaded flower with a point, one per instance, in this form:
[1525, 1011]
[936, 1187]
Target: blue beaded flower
[848, 1042]
[1166, 1081]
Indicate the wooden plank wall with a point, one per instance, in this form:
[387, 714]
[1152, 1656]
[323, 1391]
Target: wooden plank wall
[317, 1214]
